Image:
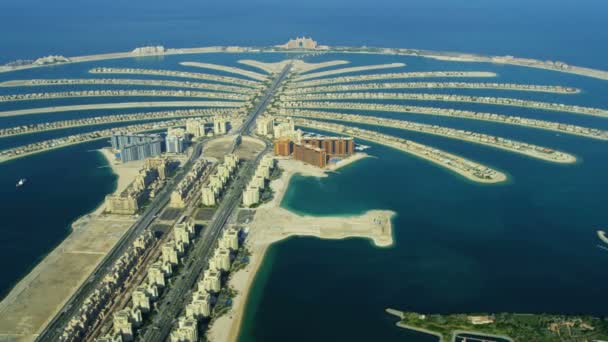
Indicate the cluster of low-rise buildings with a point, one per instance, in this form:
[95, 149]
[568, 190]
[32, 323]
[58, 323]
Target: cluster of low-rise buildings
[183, 191]
[434, 85]
[183, 74]
[211, 191]
[257, 183]
[146, 184]
[43, 126]
[388, 76]
[94, 308]
[121, 92]
[503, 101]
[208, 287]
[125, 81]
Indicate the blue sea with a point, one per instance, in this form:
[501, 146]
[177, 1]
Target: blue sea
[528, 245]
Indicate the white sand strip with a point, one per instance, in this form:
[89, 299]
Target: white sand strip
[350, 70]
[228, 69]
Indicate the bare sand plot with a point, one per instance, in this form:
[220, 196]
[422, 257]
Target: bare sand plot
[40, 295]
[272, 223]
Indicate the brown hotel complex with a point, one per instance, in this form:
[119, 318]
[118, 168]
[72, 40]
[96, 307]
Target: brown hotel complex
[315, 151]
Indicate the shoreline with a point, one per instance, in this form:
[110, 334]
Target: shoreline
[531, 150]
[38, 296]
[436, 157]
[437, 55]
[262, 236]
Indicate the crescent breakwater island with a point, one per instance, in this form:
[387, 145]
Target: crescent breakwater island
[186, 261]
[149, 51]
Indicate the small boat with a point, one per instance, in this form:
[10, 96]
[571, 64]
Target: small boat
[21, 182]
[602, 235]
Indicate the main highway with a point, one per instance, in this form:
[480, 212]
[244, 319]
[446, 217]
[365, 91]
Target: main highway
[54, 329]
[175, 300]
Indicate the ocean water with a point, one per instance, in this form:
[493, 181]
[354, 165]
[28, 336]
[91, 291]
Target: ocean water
[545, 29]
[61, 186]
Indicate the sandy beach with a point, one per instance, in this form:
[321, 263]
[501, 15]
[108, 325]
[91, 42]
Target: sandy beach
[39, 296]
[273, 223]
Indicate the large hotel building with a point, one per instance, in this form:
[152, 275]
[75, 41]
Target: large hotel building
[333, 146]
[315, 151]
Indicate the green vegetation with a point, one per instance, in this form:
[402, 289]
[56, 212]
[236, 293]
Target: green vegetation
[276, 173]
[224, 301]
[519, 327]
[241, 260]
